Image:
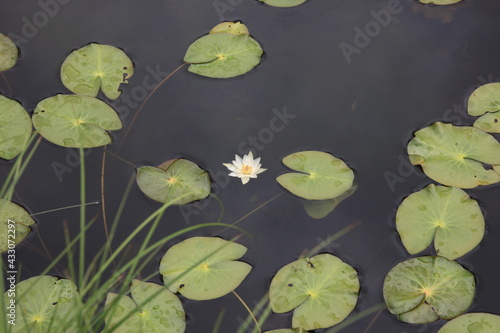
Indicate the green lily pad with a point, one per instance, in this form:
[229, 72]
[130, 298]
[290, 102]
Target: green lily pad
[288, 330]
[15, 231]
[75, 121]
[46, 304]
[318, 209]
[15, 128]
[473, 323]
[420, 290]
[484, 99]
[235, 28]
[8, 53]
[95, 67]
[489, 122]
[322, 176]
[455, 156]
[323, 290]
[179, 181]
[283, 3]
[202, 268]
[223, 55]
[154, 309]
[446, 215]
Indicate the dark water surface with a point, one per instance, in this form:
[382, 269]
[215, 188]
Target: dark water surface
[418, 68]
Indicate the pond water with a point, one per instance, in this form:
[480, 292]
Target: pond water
[319, 86]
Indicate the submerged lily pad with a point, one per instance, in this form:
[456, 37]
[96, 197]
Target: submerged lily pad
[8, 53]
[154, 309]
[489, 122]
[455, 155]
[473, 323]
[318, 209]
[202, 268]
[283, 3]
[95, 67]
[440, 2]
[446, 215]
[223, 55]
[484, 99]
[75, 121]
[322, 176]
[15, 128]
[15, 231]
[322, 291]
[235, 28]
[421, 290]
[46, 304]
[179, 181]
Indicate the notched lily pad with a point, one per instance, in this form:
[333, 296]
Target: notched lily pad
[75, 121]
[446, 215]
[283, 3]
[202, 268]
[288, 330]
[322, 291]
[46, 304]
[178, 181]
[95, 67]
[484, 99]
[152, 308]
[8, 53]
[455, 155]
[421, 290]
[15, 128]
[223, 55]
[473, 323]
[489, 122]
[322, 176]
[235, 28]
[17, 229]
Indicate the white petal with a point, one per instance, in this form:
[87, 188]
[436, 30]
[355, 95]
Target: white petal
[234, 174]
[238, 162]
[245, 180]
[256, 161]
[232, 168]
[260, 171]
[248, 159]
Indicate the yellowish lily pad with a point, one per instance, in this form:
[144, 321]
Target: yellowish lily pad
[235, 28]
[283, 3]
[489, 122]
[484, 99]
[424, 289]
[95, 66]
[15, 224]
[152, 308]
[444, 214]
[202, 268]
[440, 2]
[322, 291]
[8, 53]
[15, 128]
[472, 323]
[455, 155]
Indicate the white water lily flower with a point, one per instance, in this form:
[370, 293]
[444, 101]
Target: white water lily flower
[245, 168]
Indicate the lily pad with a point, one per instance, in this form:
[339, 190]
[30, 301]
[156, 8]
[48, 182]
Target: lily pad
[489, 122]
[179, 181]
[423, 289]
[95, 67]
[318, 209]
[322, 176]
[235, 28]
[322, 291]
[8, 53]
[288, 330]
[202, 268]
[154, 309]
[15, 128]
[473, 323]
[484, 99]
[46, 304]
[455, 155]
[17, 229]
[283, 3]
[75, 121]
[446, 215]
[223, 55]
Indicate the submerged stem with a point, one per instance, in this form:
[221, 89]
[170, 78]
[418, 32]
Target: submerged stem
[81, 266]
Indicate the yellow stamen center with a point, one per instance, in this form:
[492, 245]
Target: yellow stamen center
[246, 169]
